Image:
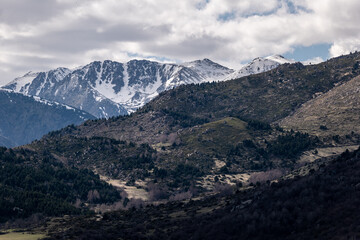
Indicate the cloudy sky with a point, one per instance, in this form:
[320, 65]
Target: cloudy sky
[43, 34]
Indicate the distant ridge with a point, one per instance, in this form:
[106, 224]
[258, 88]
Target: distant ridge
[24, 119]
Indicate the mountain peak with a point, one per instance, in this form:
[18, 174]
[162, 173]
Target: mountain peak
[30, 74]
[62, 69]
[206, 60]
[260, 64]
[108, 88]
[279, 58]
[275, 58]
[209, 70]
[200, 61]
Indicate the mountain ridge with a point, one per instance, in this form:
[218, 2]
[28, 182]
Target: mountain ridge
[109, 88]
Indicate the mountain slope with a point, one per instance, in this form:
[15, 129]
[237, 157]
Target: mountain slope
[73, 88]
[267, 96]
[23, 119]
[336, 112]
[182, 157]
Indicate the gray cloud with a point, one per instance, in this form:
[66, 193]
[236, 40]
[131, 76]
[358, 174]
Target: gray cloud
[189, 48]
[29, 11]
[87, 36]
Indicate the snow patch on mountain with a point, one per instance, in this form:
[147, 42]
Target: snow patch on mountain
[125, 94]
[49, 103]
[279, 59]
[19, 84]
[208, 70]
[259, 65]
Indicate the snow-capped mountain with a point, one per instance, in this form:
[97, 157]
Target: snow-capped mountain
[259, 65]
[110, 88]
[68, 87]
[208, 70]
[26, 118]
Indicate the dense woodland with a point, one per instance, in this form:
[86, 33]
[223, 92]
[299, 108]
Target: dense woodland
[32, 185]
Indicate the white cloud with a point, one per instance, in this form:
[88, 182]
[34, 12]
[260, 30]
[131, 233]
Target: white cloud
[345, 46]
[314, 60]
[39, 35]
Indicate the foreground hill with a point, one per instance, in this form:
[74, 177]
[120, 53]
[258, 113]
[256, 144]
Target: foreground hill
[24, 119]
[190, 159]
[321, 205]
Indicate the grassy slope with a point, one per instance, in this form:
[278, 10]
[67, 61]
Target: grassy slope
[338, 110]
[21, 236]
[215, 137]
